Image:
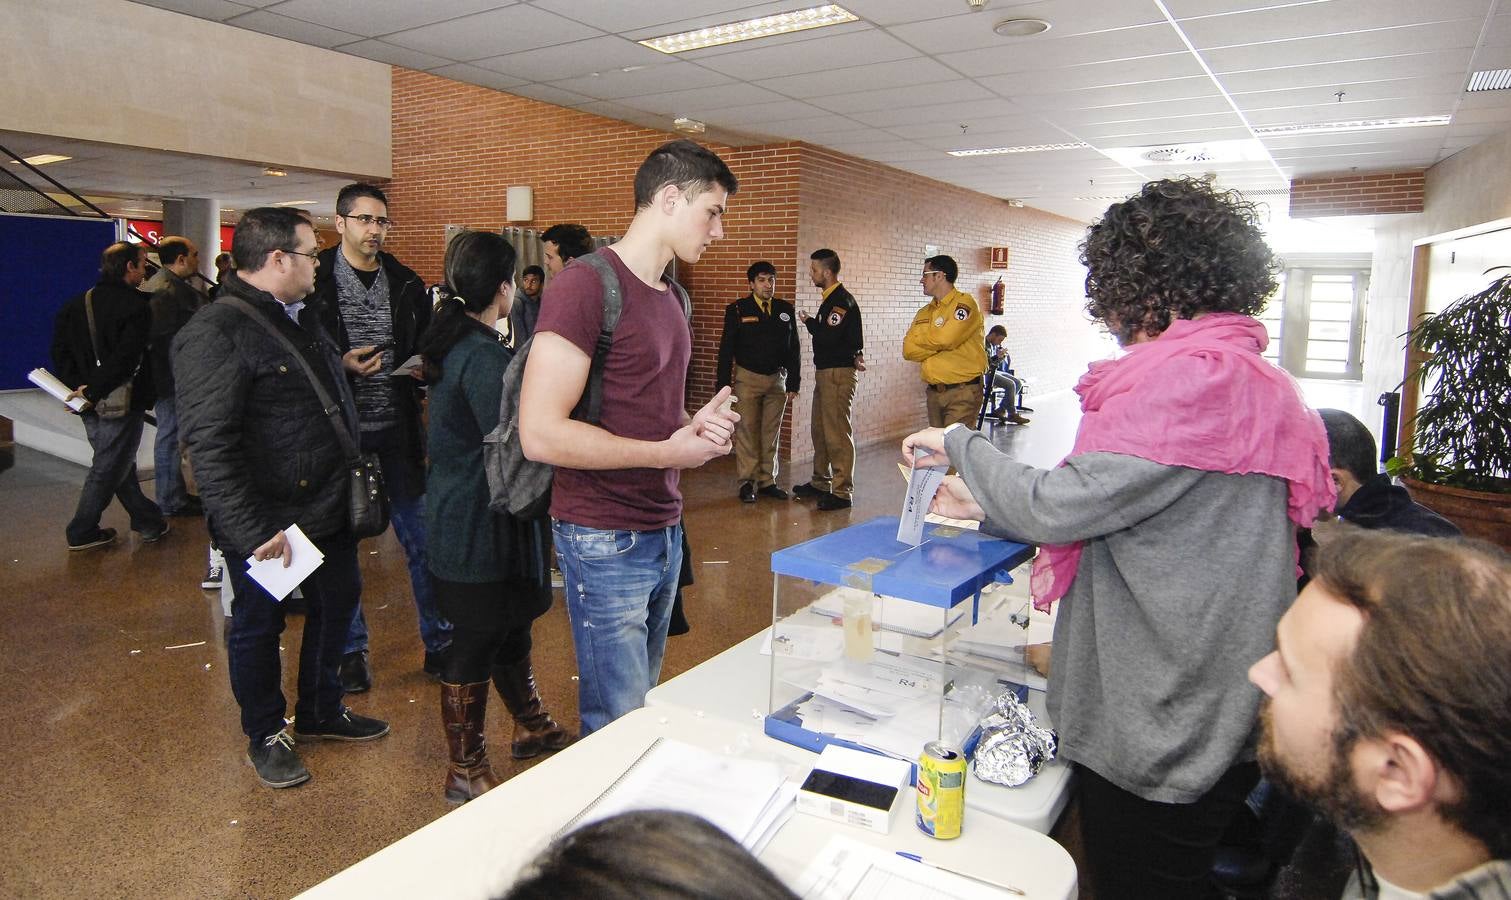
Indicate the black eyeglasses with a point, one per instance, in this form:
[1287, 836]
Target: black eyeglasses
[312, 255]
[365, 219]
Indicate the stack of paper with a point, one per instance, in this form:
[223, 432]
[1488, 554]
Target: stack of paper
[998, 643]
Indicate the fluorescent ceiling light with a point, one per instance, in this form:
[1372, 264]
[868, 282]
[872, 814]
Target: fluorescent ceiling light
[1194, 154]
[750, 29]
[1028, 148]
[1490, 80]
[297, 203]
[1354, 125]
[41, 159]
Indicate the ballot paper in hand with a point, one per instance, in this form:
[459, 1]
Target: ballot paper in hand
[303, 559]
[408, 367]
[923, 482]
[50, 383]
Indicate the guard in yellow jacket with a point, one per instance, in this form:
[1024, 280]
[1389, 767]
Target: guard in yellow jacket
[947, 337]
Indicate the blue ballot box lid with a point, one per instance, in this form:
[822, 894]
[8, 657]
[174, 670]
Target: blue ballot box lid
[950, 565]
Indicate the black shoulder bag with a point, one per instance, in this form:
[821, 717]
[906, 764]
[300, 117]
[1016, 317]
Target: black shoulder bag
[366, 500]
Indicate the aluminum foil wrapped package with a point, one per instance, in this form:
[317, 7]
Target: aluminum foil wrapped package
[1013, 746]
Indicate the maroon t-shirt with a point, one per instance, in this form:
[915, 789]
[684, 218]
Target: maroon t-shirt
[644, 380]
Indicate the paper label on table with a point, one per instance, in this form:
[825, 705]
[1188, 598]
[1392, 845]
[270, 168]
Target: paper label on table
[923, 483]
[304, 559]
[57, 389]
[847, 868]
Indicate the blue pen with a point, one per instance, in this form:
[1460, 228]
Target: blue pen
[933, 865]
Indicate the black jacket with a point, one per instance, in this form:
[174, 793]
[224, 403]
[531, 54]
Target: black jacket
[122, 321]
[410, 308]
[764, 344]
[265, 455]
[837, 335]
[1379, 504]
[173, 303]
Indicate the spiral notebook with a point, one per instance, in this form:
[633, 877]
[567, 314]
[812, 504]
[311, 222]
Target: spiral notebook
[748, 799]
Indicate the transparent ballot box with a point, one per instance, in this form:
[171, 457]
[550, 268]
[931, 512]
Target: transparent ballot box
[863, 629]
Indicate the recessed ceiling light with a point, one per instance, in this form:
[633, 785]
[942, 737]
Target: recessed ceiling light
[688, 126]
[1029, 148]
[750, 29]
[297, 203]
[1490, 80]
[1353, 125]
[275, 173]
[41, 159]
[1021, 27]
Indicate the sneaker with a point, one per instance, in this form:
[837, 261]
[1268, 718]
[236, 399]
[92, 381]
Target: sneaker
[152, 537]
[356, 676]
[773, 492]
[806, 489]
[215, 572]
[344, 726]
[1017, 419]
[747, 492]
[101, 538]
[830, 502]
[435, 662]
[277, 762]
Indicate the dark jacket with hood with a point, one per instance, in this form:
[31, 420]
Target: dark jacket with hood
[122, 321]
[264, 452]
[1379, 504]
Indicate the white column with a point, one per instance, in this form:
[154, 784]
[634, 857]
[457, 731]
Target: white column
[198, 219]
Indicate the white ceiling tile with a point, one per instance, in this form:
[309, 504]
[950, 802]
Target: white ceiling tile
[1334, 48]
[506, 30]
[394, 56]
[618, 85]
[1289, 144]
[707, 102]
[214, 10]
[1485, 100]
[897, 12]
[780, 114]
[1111, 96]
[1338, 17]
[474, 75]
[977, 127]
[1066, 17]
[1486, 116]
[1492, 58]
[1185, 9]
[819, 127]
[952, 113]
[1408, 67]
[1348, 112]
[1199, 108]
[751, 62]
[1159, 132]
[292, 29]
[550, 94]
[578, 58]
[1051, 52]
[621, 17]
[1092, 75]
[1402, 148]
[899, 73]
[939, 92]
[378, 17]
[898, 156]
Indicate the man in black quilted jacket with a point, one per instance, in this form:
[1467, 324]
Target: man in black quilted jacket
[267, 456]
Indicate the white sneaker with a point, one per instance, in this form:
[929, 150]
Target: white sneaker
[215, 572]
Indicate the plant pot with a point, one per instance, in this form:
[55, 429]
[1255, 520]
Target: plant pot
[1478, 514]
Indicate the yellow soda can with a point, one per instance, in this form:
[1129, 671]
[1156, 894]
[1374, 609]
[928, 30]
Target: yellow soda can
[941, 791]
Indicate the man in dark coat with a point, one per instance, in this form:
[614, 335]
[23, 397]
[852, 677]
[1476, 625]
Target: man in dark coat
[267, 456]
[99, 344]
[174, 300]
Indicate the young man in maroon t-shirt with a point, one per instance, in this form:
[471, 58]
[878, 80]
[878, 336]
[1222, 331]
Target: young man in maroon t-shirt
[615, 503]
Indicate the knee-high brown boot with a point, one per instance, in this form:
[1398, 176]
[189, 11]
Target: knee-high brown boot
[464, 708]
[535, 732]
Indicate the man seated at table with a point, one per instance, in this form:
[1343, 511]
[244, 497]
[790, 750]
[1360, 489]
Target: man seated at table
[1390, 710]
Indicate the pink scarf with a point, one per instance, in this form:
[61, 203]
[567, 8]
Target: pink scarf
[1199, 396]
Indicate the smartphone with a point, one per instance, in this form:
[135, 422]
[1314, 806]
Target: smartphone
[375, 351]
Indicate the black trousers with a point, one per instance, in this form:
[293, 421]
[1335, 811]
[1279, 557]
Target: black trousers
[488, 628]
[1140, 848]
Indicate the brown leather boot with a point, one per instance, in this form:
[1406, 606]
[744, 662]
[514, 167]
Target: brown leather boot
[535, 732]
[464, 707]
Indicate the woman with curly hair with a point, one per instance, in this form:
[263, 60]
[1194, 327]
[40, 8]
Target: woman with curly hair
[1169, 532]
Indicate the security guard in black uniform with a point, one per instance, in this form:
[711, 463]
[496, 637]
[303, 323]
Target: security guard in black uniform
[758, 355]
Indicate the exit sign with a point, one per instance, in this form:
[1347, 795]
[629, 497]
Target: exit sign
[999, 257]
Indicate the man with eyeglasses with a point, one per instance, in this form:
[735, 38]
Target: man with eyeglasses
[948, 339]
[377, 306]
[266, 457]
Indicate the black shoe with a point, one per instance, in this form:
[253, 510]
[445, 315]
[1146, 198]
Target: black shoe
[747, 492]
[344, 726]
[101, 538]
[773, 492]
[356, 677]
[191, 508]
[277, 763]
[829, 502]
[152, 537]
[435, 661]
[806, 489]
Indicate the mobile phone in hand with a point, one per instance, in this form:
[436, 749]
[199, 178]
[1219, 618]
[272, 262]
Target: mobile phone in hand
[364, 357]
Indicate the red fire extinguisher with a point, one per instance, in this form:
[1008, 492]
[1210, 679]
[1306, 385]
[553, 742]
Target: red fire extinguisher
[999, 297]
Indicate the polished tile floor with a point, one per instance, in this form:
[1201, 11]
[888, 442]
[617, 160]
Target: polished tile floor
[127, 774]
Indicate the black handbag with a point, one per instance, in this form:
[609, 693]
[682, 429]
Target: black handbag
[367, 510]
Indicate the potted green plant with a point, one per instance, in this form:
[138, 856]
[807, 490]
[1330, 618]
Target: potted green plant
[1459, 461]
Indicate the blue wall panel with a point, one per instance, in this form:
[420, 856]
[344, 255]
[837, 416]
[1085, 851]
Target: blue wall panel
[44, 260]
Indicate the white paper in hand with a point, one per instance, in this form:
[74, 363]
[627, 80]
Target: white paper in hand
[922, 485]
[303, 558]
[409, 366]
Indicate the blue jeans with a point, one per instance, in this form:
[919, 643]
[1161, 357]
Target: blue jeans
[407, 511]
[619, 586]
[172, 493]
[331, 594]
[112, 473]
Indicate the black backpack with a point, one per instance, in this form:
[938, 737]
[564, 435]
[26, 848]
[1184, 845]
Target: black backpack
[521, 486]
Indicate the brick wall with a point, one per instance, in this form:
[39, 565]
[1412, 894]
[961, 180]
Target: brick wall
[1359, 195]
[457, 147]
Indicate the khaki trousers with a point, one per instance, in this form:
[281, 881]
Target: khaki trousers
[957, 404]
[833, 441]
[761, 400]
